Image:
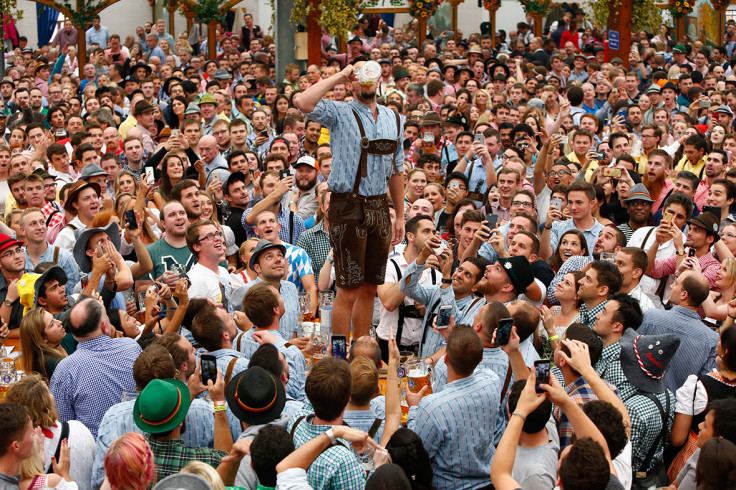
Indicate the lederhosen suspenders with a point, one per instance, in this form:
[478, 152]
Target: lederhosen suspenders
[379, 146]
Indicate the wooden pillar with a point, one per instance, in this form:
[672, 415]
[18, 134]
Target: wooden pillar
[679, 28]
[721, 16]
[454, 4]
[314, 36]
[81, 43]
[211, 40]
[492, 20]
[189, 15]
[171, 7]
[422, 27]
[620, 21]
[538, 21]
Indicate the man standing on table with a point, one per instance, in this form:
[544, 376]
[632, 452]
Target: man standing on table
[367, 160]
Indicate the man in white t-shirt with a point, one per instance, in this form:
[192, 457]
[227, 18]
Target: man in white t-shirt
[544, 182]
[209, 280]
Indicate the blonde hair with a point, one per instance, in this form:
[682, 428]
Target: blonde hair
[205, 471]
[33, 393]
[32, 466]
[364, 375]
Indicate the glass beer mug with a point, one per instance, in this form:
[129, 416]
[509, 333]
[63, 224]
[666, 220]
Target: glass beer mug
[419, 376]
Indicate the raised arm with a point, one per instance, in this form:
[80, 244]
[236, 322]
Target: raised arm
[307, 100]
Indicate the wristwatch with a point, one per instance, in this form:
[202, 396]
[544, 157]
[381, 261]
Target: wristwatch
[7, 302]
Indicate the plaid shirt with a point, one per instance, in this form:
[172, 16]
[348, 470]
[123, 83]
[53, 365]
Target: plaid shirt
[417, 149]
[609, 369]
[53, 209]
[581, 393]
[587, 317]
[316, 242]
[336, 468]
[646, 424]
[171, 455]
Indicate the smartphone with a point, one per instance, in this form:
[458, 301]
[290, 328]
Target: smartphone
[175, 133]
[407, 144]
[440, 248]
[339, 347]
[667, 217]
[116, 57]
[450, 33]
[130, 218]
[454, 185]
[600, 155]
[492, 220]
[565, 140]
[503, 331]
[479, 138]
[284, 174]
[622, 113]
[728, 152]
[542, 372]
[704, 104]
[84, 279]
[264, 133]
[612, 172]
[714, 210]
[208, 367]
[557, 202]
[102, 251]
[149, 175]
[691, 252]
[443, 316]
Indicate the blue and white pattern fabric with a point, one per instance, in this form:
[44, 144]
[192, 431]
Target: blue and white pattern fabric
[223, 358]
[456, 426]
[338, 118]
[299, 265]
[93, 379]
[284, 218]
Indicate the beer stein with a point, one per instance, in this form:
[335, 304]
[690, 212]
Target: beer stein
[419, 376]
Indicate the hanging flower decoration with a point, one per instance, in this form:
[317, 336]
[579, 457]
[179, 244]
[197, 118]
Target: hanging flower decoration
[720, 4]
[678, 8]
[423, 9]
[540, 7]
[491, 4]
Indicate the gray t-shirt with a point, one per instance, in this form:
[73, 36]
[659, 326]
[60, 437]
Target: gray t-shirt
[536, 468]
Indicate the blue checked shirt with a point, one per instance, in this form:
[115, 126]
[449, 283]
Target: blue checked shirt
[118, 420]
[574, 263]
[294, 358]
[456, 426]
[284, 220]
[90, 381]
[646, 424]
[697, 351]
[338, 118]
[290, 319]
[65, 261]
[223, 357]
[609, 369]
[337, 468]
[433, 297]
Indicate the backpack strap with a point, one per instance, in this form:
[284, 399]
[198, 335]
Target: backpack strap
[230, 367]
[64, 435]
[400, 323]
[240, 338]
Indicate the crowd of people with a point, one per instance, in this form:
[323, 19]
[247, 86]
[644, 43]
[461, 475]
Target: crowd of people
[547, 232]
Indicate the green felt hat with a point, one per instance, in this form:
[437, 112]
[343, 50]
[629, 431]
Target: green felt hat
[161, 406]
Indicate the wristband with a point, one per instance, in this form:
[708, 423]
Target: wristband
[332, 261]
[220, 406]
[519, 415]
[446, 281]
[554, 337]
[331, 434]
[732, 317]
[547, 227]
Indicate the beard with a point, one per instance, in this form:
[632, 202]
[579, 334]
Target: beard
[367, 95]
[654, 186]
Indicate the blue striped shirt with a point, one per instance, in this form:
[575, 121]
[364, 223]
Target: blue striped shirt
[463, 311]
[560, 227]
[118, 420]
[338, 118]
[697, 351]
[294, 358]
[93, 379]
[456, 426]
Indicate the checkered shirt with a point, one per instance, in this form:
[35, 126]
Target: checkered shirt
[53, 209]
[609, 369]
[316, 242]
[299, 265]
[646, 423]
[581, 393]
[336, 468]
[284, 221]
[587, 317]
[171, 455]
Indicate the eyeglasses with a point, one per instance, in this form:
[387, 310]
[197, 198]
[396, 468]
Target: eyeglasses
[522, 203]
[728, 235]
[648, 136]
[10, 253]
[212, 236]
[560, 173]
